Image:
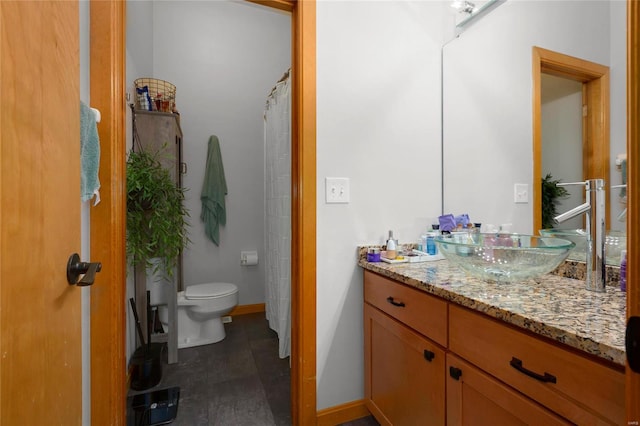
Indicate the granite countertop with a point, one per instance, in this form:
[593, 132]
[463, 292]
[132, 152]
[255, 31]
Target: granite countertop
[556, 307]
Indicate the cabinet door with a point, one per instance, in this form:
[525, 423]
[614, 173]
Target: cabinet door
[475, 398]
[404, 373]
[160, 132]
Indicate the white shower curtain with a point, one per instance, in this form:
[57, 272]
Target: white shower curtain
[277, 170]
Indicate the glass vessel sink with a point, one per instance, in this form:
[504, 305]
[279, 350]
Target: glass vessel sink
[614, 243]
[504, 258]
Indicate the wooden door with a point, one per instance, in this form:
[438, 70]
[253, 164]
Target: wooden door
[405, 383]
[40, 340]
[475, 398]
[633, 194]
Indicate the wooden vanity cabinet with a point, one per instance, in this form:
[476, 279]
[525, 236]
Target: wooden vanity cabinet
[481, 370]
[404, 370]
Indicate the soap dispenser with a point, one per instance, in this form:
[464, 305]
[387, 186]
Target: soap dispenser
[391, 247]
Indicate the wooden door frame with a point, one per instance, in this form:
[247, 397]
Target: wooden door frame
[108, 219]
[595, 126]
[633, 193]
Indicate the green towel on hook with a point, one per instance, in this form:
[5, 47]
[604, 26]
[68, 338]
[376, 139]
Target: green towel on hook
[213, 191]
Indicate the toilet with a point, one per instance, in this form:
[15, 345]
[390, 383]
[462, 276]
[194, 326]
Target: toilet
[200, 310]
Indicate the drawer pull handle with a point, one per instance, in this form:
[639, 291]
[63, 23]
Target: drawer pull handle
[428, 355]
[394, 303]
[546, 377]
[455, 372]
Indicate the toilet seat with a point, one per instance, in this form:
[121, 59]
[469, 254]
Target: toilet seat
[209, 290]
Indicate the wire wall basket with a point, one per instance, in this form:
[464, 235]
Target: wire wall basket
[155, 95]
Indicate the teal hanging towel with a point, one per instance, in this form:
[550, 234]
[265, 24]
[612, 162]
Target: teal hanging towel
[89, 155]
[214, 190]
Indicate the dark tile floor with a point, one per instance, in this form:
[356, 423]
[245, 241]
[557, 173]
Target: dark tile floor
[240, 381]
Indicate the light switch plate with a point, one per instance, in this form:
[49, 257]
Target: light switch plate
[520, 193]
[336, 190]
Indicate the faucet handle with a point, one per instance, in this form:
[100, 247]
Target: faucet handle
[624, 185]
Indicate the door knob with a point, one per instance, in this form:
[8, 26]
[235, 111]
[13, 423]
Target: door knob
[88, 270]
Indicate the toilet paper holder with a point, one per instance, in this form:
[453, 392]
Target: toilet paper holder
[248, 258]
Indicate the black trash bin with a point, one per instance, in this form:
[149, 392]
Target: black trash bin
[146, 366]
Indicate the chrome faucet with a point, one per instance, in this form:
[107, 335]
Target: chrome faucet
[594, 208]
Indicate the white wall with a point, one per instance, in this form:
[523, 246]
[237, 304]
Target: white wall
[378, 124]
[224, 58]
[487, 98]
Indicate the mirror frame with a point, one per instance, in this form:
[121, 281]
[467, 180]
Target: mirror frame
[595, 124]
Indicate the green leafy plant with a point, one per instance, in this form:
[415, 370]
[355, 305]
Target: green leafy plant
[551, 195]
[156, 215]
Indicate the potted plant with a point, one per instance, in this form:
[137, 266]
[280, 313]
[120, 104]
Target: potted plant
[551, 194]
[156, 215]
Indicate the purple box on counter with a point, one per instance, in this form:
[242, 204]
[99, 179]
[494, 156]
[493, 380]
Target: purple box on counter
[373, 254]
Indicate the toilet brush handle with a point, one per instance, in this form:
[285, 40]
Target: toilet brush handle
[135, 316]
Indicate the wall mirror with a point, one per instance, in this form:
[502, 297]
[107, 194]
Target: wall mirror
[488, 104]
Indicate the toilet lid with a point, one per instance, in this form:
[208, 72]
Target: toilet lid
[209, 290]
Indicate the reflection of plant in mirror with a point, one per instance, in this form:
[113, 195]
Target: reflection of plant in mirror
[551, 194]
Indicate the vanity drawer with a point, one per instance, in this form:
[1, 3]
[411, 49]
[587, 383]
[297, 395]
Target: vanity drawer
[585, 391]
[424, 313]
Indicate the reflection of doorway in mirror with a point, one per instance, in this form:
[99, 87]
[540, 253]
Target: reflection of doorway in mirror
[561, 103]
[593, 79]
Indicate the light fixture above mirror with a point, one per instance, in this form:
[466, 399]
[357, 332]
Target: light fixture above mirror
[468, 11]
[463, 6]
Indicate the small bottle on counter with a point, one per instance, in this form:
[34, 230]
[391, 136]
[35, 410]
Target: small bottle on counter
[623, 270]
[477, 230]
[431, 243]
[391, 249]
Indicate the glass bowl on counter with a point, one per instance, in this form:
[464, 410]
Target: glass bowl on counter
[504, 258]
[614, 243]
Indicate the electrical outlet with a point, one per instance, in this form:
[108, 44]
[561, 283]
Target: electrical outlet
[336, 190]
[521, 193]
